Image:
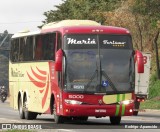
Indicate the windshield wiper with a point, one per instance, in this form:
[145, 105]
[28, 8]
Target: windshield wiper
[131, 76]
[91, 79]
[109, 81]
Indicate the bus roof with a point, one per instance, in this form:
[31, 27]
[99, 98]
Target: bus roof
[66, 23]
[82, 26]
[74, 26]
[25, 33]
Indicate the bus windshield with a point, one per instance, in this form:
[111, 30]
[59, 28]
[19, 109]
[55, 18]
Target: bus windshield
[98, 63]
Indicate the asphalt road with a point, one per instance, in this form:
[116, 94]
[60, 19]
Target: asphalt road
[10, 118]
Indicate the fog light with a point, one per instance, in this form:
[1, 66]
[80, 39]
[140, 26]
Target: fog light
[67, 110]
[130, 110]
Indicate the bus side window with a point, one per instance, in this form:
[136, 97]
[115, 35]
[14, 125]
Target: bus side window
[38, 48]
[14, 50]
[27, 49]
[48, 45]
[21, 49]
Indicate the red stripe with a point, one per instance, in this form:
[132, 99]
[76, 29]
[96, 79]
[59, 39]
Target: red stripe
[38, 84]
[42, 72]
[41, 91]
[45, 95]
[38, 76]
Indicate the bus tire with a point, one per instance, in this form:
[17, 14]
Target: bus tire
[135, 113]
[57, 118]
[28, 114]
[115, 120]
[81, 118]
[20, 108]
[136, 106]
[84, 118]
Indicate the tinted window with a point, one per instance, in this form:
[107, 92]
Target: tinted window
[40, 47]
[45, 47]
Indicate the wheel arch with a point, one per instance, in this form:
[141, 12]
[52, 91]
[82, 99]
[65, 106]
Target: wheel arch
[20, 96]
[52, 99]
[25, 95]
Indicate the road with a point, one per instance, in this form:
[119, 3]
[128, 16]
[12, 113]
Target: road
[144, 119]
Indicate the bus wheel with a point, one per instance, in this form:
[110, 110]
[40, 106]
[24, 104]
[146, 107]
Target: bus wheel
[28, 115]
[115, 120]
[81, 118]
[136, 106]
[84, 118]
[20, 108]
[57, 118]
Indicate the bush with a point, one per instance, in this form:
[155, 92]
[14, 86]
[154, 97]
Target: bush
[154, 86]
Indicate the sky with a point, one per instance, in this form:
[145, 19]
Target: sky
[18, 15]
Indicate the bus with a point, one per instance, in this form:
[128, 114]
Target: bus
[73, 69]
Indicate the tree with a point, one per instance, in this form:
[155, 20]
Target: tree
[81, 9]
[150, 9]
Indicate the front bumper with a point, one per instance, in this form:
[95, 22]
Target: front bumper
[98, 110]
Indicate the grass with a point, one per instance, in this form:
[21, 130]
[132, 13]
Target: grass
[154, 87]
[153, 101]
[151, 104]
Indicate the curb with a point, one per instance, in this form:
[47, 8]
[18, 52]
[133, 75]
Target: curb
[149, 110]
[152, 110]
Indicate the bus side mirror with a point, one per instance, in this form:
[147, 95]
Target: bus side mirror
[139, 61]
[58, 60]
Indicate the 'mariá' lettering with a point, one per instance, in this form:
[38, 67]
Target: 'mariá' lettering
[74, 41]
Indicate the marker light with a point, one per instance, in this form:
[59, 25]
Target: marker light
[73, 102]
[97, 30]
[126, 102]
[138, 100]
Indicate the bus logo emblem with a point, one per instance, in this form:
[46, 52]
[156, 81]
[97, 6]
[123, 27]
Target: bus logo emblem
[100, 101]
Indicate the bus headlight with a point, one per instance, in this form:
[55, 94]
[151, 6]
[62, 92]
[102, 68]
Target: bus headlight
[126, 102]
[72, 102]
